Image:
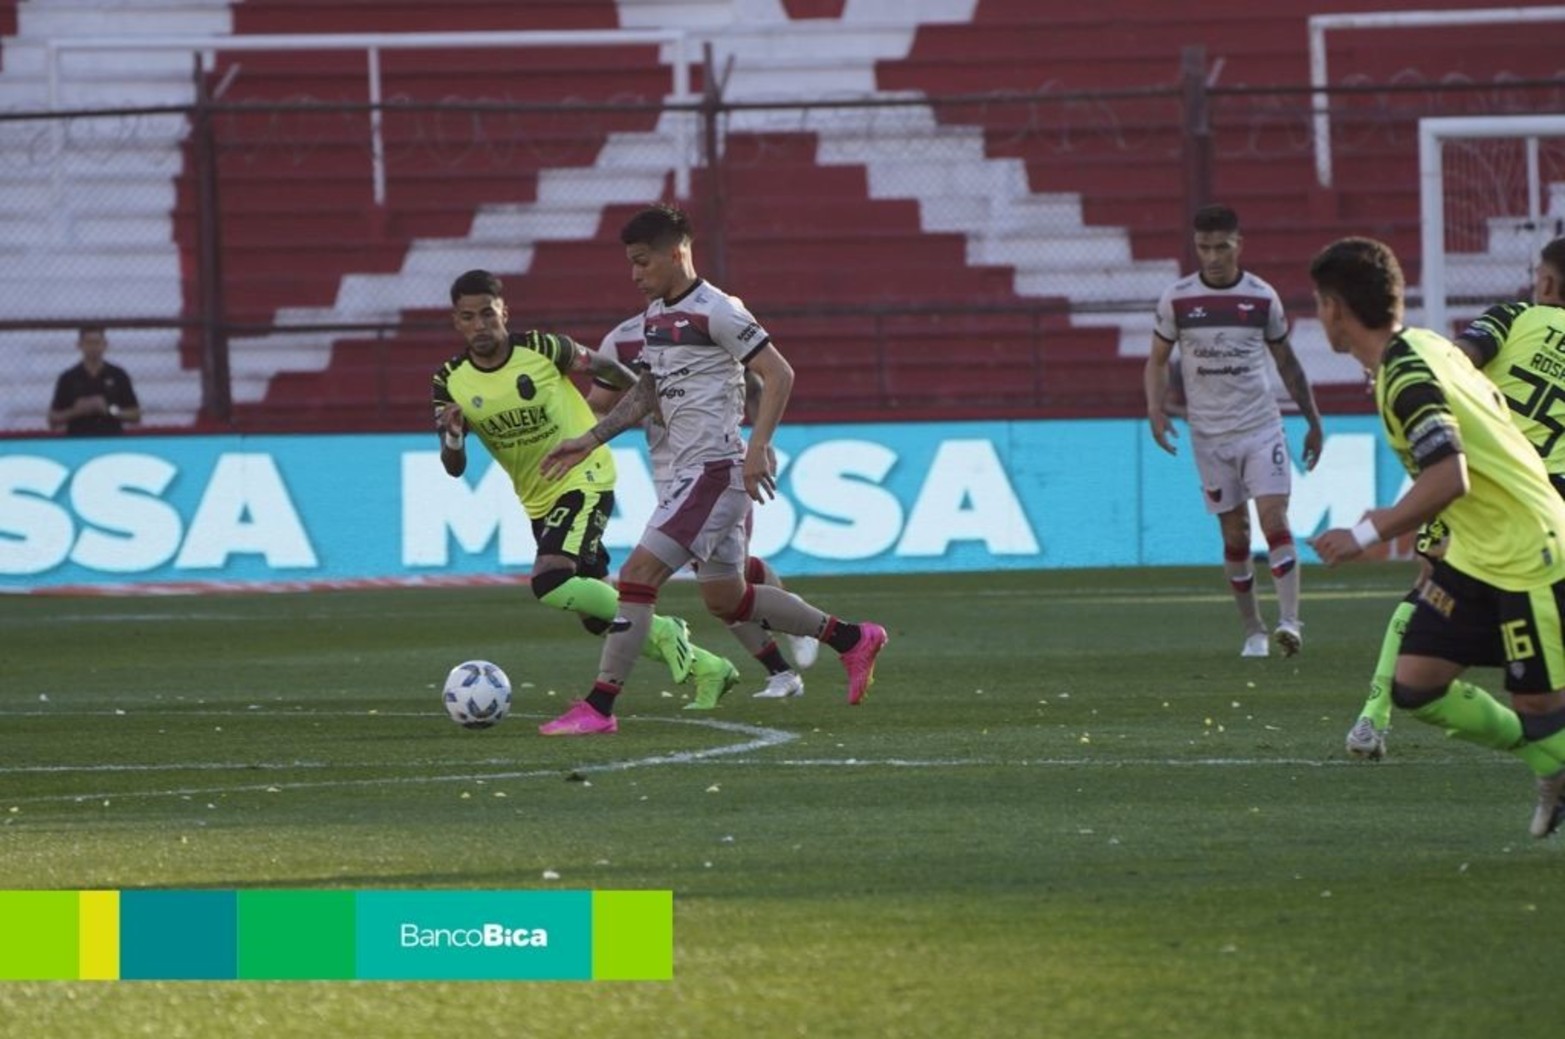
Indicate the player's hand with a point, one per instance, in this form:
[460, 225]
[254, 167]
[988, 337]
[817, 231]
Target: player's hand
[566, 455]
[760, 473]
[1163, 431]
[451, 420]
[1336, 546]
[97, 404]
[1314, 440]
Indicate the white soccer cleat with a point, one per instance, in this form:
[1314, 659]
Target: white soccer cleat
[781, 686]
[1256, 645]
[1289, 638]
[804, 650]
[1550, 811]
[1365, 741]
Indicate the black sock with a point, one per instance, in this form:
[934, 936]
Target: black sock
[772, 659]
[841, 636]
[601, 699]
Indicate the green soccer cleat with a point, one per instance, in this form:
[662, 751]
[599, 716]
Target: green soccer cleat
[714, 677]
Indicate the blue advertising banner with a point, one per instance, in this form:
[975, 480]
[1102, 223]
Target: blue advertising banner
[854, 499]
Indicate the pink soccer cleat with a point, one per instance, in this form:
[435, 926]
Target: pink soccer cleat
[859, 661]
[581, 720]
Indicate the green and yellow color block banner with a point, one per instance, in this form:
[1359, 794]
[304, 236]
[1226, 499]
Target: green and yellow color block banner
[307, 935]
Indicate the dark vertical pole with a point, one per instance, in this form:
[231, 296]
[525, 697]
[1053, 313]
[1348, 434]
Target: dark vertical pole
[216, 390]
[716, 209]
[1197, 137]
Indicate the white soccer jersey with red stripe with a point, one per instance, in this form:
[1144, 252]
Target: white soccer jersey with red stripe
[695, 348]
[1222, 335]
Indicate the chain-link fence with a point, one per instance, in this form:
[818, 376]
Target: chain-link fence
[276, 260]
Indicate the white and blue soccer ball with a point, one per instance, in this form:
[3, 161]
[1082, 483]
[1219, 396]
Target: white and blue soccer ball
[477, 694]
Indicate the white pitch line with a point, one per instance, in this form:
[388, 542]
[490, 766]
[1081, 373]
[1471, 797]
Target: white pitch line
[761, 739]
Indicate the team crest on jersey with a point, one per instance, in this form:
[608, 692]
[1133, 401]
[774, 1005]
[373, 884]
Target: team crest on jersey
[524, 386]
[478, 401]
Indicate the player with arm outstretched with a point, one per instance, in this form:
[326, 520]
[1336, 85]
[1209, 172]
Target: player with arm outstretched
[1494, 599]
[1521, 348]
[512, 391]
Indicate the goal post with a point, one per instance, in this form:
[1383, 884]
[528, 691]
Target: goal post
[1491, 194]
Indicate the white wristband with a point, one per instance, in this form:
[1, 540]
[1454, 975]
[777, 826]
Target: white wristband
[1365, 534]
[454, 441]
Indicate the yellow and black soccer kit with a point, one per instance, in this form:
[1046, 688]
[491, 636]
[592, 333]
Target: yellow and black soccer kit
[1521, 347]
[1497, 597]
[520, 410]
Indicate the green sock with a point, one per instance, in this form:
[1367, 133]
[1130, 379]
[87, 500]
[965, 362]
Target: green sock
[587, 596]
[1546, 756]
[1469, 713]
[1378, 707]
[591, 597]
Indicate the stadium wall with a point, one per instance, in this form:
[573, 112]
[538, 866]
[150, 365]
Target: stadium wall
[148, 514]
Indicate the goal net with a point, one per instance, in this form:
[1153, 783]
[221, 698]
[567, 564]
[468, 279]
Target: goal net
[1492, 194]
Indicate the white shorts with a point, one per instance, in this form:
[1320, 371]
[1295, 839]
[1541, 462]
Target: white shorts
[704, 516]
[1236, 469]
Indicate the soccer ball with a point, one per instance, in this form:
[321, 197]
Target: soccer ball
[477, 694]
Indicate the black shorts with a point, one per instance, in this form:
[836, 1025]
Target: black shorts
[573, 527]
[1471, 622]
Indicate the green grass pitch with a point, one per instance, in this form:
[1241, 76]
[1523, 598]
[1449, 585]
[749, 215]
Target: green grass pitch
[1068, 808]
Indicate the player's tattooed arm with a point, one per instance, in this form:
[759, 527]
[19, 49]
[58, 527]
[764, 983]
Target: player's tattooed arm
[637, 403]
[604, 368]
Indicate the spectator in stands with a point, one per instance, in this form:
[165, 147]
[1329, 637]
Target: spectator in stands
[698, 342]
[1492, 599]
[1517, 346]
[512, 390]
[1225, 321]
[93, 398]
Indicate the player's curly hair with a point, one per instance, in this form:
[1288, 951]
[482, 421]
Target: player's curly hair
[658, 227]
[1365, 275]
[476, 283]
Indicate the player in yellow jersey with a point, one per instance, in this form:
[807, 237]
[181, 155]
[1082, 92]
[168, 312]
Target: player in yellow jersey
[1521, 348]
[1495, 598]
[514, 393]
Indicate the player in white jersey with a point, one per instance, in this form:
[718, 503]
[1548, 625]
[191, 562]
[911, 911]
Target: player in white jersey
[783, 681]
[698, 340]
[1225, 322]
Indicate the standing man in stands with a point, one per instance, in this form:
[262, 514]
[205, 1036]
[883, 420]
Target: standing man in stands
[93, 398]
[1225, 321]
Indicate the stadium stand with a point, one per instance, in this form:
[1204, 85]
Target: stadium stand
[1025, 241]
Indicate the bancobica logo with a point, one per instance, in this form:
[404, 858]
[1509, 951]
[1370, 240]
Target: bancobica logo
[488, 936]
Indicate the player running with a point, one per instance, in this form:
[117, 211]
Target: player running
[513, 392]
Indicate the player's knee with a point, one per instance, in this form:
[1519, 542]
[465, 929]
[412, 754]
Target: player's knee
[1410, 699]
[550, 580]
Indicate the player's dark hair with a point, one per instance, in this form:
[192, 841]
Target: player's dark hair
[1553, 254]
[476, 283]
[86, 330]
[657, 227]
[1365, 275]
[1215, 218]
